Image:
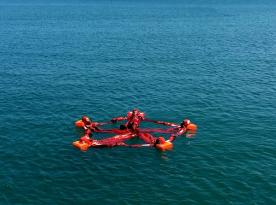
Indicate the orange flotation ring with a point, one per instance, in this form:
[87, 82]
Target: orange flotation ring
[191, 128]
[83, 146]
[167, 145]
[79, 123]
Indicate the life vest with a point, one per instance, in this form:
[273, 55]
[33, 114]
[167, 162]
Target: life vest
[86, 139]
[140, 115]
[91, 127]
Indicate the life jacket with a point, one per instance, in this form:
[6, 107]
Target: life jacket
[181, 131]
[141, 115]
[134, 119]
[86, 139]
[90, 126]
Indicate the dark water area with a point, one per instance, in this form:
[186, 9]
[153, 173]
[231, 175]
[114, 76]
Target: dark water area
[214, 63]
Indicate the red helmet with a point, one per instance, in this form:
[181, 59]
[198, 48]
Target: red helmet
[86, 120]
[186, 122]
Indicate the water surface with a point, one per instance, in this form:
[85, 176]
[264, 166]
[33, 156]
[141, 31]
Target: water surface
[211, 62]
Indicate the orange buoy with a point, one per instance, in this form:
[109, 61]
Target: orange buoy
[79, 123]
[83, 146]
[167, 145]
[191, 128]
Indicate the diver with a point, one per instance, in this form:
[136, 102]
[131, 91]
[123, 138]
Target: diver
[175, 129]
[89, 127]
[87, 137]
[181, 129]
[133, 118]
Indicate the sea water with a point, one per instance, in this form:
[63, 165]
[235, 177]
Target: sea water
[210, 61]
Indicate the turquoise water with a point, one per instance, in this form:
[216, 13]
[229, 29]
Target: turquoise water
[211, 62]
